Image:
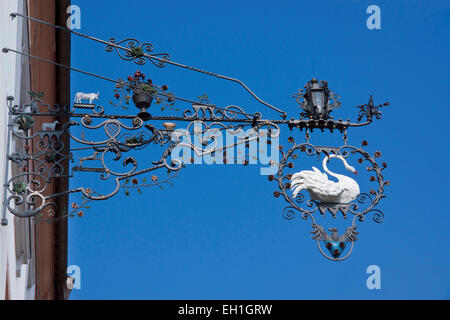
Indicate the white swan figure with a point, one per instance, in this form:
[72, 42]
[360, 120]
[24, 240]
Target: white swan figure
[323, 190]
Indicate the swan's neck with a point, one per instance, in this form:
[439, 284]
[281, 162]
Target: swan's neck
[325, 168]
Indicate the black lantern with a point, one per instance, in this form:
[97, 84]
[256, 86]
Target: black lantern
[316, 98]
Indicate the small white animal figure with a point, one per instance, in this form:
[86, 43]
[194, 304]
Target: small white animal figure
[324, 190]
[50, 125]
[86, 96]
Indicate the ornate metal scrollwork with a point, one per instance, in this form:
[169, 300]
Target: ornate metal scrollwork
[109, 146]
[137, 52]
[27, 194]
[42, 154]
[211, 113]
[370, 110]
[111, 139]
[39, 158]
[363, 204]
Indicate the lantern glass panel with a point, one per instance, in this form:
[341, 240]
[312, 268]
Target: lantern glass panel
[319, 101]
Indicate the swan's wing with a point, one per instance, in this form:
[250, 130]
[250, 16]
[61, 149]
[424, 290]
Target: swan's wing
[349, 235]
[308, 175]
[315, 181]
[324, 175]
[305, 179]
[325, 188]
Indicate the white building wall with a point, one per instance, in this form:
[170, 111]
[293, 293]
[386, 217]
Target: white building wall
[17, 238]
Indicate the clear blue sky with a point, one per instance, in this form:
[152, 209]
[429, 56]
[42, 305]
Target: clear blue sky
[218, 233]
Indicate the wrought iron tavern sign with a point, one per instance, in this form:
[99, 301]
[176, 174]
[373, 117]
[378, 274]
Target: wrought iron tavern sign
[110, 145]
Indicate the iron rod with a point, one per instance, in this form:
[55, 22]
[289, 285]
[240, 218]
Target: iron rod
[149, 56]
